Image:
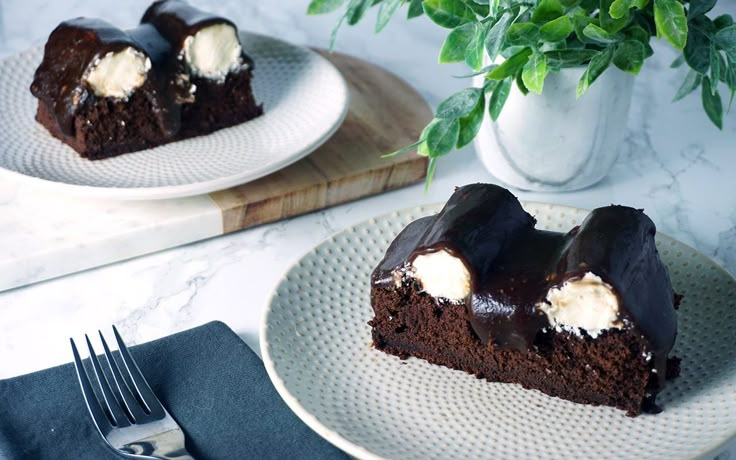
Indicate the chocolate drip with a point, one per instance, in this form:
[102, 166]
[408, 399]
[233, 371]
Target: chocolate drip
[177, 20]
[513, 265]
[166, 90]
[503, 308]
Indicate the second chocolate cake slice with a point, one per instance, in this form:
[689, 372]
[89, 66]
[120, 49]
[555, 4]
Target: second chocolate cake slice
[588, 316]
[218, 69]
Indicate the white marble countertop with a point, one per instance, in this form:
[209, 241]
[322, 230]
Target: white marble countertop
[674, 164]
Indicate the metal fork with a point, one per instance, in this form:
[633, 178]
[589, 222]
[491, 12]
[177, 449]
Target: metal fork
[130, 417]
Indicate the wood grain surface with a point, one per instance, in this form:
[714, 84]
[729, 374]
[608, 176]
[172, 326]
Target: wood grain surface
[385, 114]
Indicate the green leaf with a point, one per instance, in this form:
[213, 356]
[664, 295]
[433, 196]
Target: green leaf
[697, 50]
[629, 56]
[485, 69]
[474, 51]
[619, 8]
[731, 75]
[422, 147]
[598, 64]
[599, 35]
[511, 50]
[415, 9]
[698, 7]
[520, 84]
[731, 82]
[712, 103]
[459, 104]
[522, 34]
[723, 67]
[442, 136]
[489, 86]
[569, 57]
[457, 41]
[406, 149]
[639, 34]
[723, 21]
[678, 62]
[493, 7]
[494, 40]
[470, 124]
[588, 5]
[479, 8]
[511, 65]
[726, 40]
[534, 73]
[671, 22]
[547, 10]
[498, 98]
[431, 168]
[691, 83]
[386, 12]
[579, 23]
[609, 23]
[715, 68]
[324, 6]
[448, 13]
[556, 30]
[356, 10]
[333, 34]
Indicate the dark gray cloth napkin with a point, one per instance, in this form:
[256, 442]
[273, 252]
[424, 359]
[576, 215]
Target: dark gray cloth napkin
[210, 381]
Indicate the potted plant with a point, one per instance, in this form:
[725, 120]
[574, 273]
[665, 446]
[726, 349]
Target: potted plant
[540, 60]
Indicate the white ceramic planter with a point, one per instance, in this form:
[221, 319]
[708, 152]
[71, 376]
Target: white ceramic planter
[553, 141]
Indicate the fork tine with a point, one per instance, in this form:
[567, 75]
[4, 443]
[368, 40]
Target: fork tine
[142, 389]
[131, 403]
[118, 415]
[101, 420]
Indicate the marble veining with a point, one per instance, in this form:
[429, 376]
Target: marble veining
[673, 163]
[47, 235]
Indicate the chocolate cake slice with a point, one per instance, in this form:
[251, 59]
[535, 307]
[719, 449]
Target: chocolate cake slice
[105, 91]
[217, 67]
[587, 316]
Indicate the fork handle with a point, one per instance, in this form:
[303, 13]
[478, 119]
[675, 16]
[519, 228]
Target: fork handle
[164, 446]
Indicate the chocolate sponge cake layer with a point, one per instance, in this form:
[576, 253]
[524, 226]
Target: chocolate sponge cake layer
[612, 370]
[106, 128]
[236, 104]
[587, 315]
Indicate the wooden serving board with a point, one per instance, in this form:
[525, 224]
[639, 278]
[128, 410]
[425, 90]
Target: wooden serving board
[385, 115]
[45, 235]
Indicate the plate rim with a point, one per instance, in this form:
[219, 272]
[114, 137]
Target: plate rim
[197, 188]
[336, 438]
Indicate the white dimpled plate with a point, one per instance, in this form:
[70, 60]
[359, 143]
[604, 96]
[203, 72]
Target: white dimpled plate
[316, 346]
[304, 97]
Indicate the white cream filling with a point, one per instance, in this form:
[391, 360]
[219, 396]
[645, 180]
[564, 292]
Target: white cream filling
[442, 275]
[118, 74]
[585, 303]
[213, 51]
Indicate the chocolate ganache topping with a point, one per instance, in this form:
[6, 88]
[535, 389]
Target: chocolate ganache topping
[177, 21]
[513, 266]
